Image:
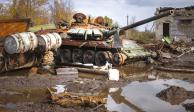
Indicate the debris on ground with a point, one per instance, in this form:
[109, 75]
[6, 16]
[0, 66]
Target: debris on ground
[113, 74]
[33, 70]
[106, 70]
[93, 71]
[69, 99]
[175, 95]
[166, 55]
[165, 49]
[67, 71]
[172, 56]
[176, 47]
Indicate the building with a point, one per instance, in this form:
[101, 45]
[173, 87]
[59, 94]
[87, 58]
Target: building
[179, 26]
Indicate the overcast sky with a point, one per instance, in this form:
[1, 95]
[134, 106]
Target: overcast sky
[119, 9]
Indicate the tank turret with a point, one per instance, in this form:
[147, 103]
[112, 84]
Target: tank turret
[105, 33]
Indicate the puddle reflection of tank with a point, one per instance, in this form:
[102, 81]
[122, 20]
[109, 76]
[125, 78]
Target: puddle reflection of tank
[95, 43]
[119, 99]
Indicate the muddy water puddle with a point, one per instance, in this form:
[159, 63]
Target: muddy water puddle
[22, 72]
[141, 96]
[9, 98]
[23, 95]
[137, 96]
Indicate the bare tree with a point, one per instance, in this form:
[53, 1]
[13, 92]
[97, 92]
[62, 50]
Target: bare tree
[133, 20]
[38, 10]
[2, 9]
[62, 10]
[34, 9]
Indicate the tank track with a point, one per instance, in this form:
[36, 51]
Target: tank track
[94, 56]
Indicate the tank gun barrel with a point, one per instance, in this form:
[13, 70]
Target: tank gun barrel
[112, 32]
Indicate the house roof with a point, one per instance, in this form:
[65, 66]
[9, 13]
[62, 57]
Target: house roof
[164, 9]
[185, 11]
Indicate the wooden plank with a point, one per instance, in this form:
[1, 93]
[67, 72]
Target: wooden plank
[67, 71]
[12, 26]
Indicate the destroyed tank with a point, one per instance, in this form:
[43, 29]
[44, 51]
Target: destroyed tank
[94, 43]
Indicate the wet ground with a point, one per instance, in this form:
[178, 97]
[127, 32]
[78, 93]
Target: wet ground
[135, 92]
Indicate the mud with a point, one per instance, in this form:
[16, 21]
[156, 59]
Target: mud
[185, 61]
[22, 91]
[29, 92]
[46, 107]
[189, 107]
[175, 95]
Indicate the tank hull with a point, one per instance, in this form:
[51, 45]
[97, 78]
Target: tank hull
[100, 52]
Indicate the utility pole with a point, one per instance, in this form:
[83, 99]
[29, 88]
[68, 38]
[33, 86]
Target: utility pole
[127, 19]
[127, 35]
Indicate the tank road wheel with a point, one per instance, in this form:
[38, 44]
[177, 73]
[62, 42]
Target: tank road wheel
[110, 57]
[66, 56]
[77, 56]
[101, 58]
[89, 56]
[119, 59]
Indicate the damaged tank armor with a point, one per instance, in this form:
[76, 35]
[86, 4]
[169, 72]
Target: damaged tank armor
[95, 43]
[88, 43]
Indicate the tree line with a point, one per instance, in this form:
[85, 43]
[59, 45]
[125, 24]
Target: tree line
[40, 11]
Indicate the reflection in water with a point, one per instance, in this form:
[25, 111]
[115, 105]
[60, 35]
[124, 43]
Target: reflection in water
[119, 99]
[8, 106]
[22, 72]
[113, 106]
[141, 96]
[23, 95]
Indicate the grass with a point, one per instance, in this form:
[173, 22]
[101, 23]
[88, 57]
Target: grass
[42, 27]
[141, 37]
